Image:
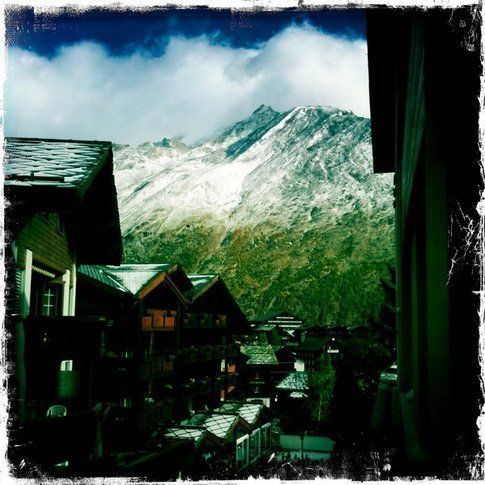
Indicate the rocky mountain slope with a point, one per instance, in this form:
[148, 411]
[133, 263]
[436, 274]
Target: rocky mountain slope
[284, 206]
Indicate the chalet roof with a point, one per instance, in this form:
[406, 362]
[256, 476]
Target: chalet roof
[249, 411]
[259, 350]
[44, 175]
[201, 283]
[219, 424]
[101, 274]
[270, 315]
[128, 278]
[135, 276]
[66, 164]
[295, 381]
[298, 395]
[196, 434]
[264, 328]
[193, 433]
[274, 315]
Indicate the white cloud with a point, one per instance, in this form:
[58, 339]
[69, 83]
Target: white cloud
[198, 86]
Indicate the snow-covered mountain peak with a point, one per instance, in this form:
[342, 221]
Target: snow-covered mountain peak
[268, 202]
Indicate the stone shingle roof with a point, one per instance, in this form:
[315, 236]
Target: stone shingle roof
[201, 283]
[218, 424]
[100, 273]
[249, 411]
[259, 350]
[295, 381]
[129, 278]
[62, 164]
[194, 434]
[44, 175]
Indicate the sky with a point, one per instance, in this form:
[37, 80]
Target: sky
[135, 76]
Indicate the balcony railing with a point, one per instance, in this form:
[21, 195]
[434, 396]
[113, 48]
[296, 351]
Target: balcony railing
[204, 321]
[157, 365]
[205, 353]
[159, 321]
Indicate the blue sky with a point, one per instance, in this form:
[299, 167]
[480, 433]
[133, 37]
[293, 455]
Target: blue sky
[137, 76]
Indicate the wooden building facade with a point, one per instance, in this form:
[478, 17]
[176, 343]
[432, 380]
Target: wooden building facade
[424, 74]
[62, 212]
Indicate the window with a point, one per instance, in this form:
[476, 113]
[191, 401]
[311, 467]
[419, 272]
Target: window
[242, 452]
[50, 298]
[265, 437]
[46, 292]
[66, 365]
[254, 445]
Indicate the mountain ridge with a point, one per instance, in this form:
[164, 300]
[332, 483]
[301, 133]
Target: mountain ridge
[275, 192]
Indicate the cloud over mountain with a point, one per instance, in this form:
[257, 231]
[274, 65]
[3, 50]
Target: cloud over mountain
[193, 88]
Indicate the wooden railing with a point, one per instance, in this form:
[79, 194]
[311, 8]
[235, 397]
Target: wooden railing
[159, 321]
[157, 365]
[206, 353]
[204, 320]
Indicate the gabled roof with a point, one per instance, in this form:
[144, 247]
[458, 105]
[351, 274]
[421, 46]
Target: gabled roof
[274, 315]
[259, 351]
[219, 424]
[134, 279]
[249, 411]
[102, 275]
[298, 395]
[67, 177]
[201, 283]
[295, 381]
[193, 433]
[48, 164]
[196, 434]
[269, 315]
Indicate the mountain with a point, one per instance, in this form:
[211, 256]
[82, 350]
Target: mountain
[284, 206]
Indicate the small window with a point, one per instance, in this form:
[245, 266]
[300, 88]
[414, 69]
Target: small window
[51, 300]
[66, 365]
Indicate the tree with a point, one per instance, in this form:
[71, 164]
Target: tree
[321, 386]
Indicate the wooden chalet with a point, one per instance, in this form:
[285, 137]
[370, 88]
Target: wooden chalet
[256, 444]
[171, 347]
[288, 326]
[309, 353]
[61, 213]
[258, 369]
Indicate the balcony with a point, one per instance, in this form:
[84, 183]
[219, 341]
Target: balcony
[157, 365]
[159, 321]
[204, 321]
[59, 338]
[57, 439]
[190, 320]
[187, 355]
